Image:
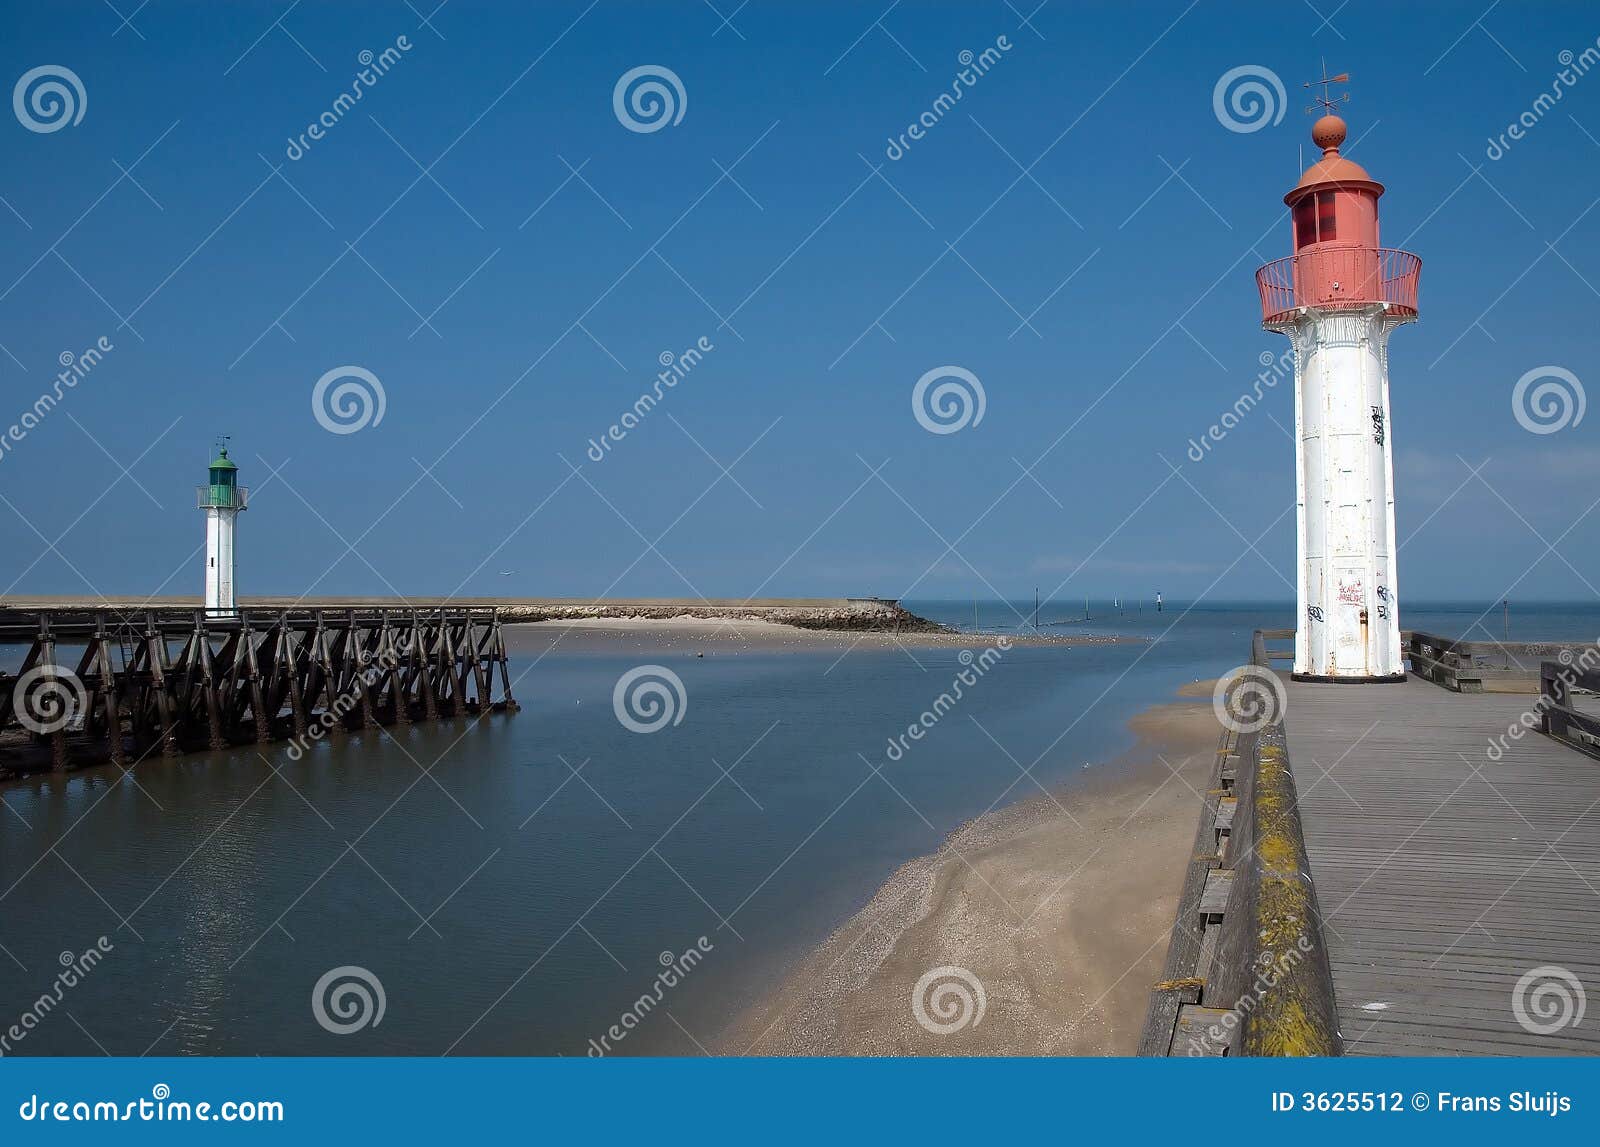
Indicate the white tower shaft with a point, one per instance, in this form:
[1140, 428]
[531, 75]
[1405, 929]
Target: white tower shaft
[1349, 620]
[219, 559]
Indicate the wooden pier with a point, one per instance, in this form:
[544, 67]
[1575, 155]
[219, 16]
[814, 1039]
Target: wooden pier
[1450, 845]
[114, 685]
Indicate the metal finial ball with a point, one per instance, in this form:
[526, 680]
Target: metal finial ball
[1328, 132]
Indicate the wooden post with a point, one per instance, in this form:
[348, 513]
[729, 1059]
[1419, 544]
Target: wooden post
[476, 648]
[337, 646]
[330, 653]
[1554, 692]
[185, 679]
[460, 650]
[391, 655]
[316, 666]
[208, 683]
[258, 701]
[290, 654]
[47, 664]
[422, 656]
[361, 662]
[447, 667]
[505, 672]
[156, 654]
[108, 691]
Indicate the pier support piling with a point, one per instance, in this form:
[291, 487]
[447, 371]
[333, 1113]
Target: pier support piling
[234, 681]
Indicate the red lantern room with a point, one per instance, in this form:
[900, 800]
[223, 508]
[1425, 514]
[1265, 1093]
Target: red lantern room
[1336, 201]
[1338, 263]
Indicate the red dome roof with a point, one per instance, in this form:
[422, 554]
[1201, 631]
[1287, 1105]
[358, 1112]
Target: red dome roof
[1328, 133]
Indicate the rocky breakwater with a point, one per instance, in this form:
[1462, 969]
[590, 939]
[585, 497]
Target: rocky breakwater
[873, 615]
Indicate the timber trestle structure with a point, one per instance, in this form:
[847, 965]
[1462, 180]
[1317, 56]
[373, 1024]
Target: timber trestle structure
[118, 686]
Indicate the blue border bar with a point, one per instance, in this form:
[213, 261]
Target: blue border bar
[757, 1101]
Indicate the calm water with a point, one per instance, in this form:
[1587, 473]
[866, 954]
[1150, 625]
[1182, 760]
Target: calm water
[228, 889]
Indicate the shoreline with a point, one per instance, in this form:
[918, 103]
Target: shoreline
[829, 613]
[674, 632]
[1060, 906]
[843, 617]
[735, 633]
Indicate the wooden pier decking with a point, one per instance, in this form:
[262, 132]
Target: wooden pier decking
[116, 686]
[1394, 869]
[1444, 874]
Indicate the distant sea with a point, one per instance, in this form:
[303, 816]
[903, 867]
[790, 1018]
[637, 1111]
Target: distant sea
[518, 884]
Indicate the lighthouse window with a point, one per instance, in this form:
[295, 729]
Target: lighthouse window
[1305, 222]
[1325, 217]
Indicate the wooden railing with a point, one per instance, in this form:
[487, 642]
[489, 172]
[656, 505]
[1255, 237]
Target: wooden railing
[1558, 718]
[1479, 666]
[1247, 971]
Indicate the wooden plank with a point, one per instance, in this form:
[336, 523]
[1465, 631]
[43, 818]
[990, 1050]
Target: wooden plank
[1214, 900]
[1202, 1031]
[1450, 857]
[1181, 981]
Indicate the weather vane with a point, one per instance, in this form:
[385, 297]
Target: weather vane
[1324, 99]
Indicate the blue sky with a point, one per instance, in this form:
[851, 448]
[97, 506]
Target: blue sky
[1083, 183]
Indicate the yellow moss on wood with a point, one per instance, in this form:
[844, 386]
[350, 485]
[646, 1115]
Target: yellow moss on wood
[1292, 1018]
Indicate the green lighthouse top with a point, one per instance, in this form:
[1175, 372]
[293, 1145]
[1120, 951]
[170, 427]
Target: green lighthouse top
[223, 471]
[222, 490]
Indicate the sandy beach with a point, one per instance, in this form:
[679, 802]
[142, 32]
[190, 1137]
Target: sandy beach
[1059, 907]
[741, 634]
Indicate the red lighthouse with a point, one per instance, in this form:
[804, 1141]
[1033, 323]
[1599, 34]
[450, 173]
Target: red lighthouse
[1338, 297]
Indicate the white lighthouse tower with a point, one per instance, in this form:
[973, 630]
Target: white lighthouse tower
[1338, 297]
[222, 498]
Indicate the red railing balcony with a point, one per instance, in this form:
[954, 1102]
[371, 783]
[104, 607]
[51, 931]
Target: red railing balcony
[1339, 278]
